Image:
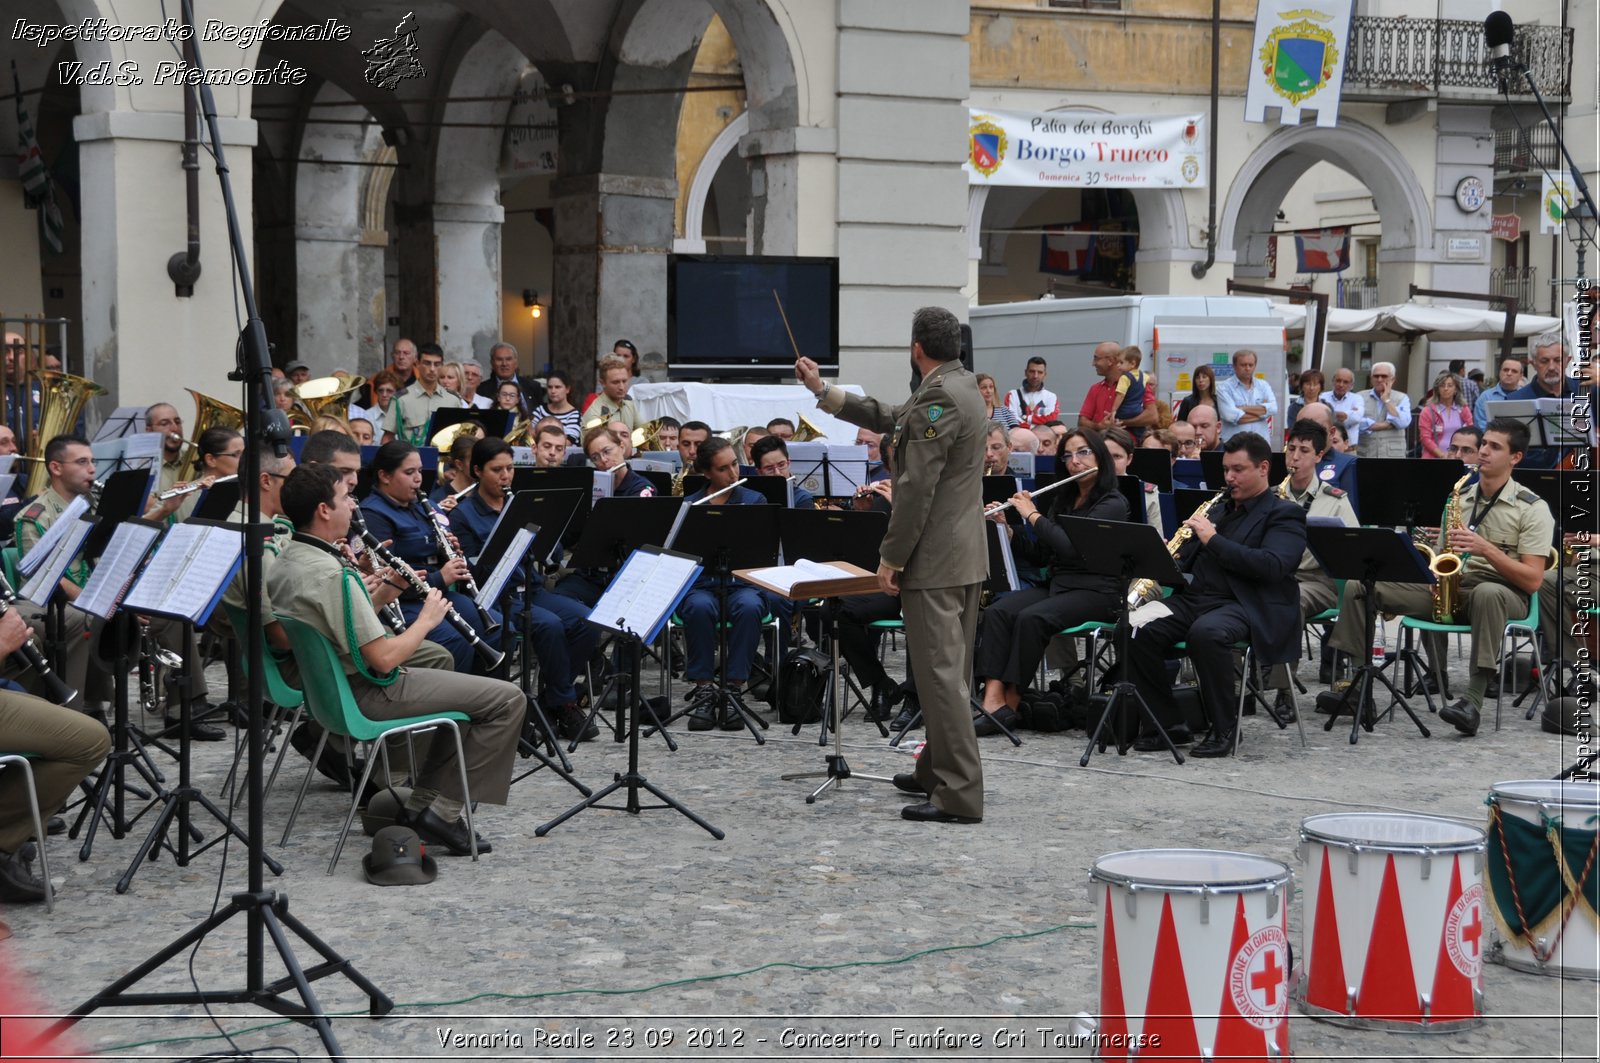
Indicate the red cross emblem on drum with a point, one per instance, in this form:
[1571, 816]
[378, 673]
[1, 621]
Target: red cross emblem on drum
[1258, 980]
[1463, 932]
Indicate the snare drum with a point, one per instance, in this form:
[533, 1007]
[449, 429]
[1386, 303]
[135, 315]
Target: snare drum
[1543, 844]
[1194, 955]
[1392, 934]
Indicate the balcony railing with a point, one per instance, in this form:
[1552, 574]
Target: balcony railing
[1357, 294]
[1410, 55]
[1519, 281]
[1525, 150]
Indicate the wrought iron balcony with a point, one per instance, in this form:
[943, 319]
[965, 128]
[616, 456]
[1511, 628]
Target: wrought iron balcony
[1357, 294]
[1526, 150]
[1520, 281]
[1392, 57]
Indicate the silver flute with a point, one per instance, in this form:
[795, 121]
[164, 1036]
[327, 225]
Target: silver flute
[191, 488]
[1003, 506]
[717, 494]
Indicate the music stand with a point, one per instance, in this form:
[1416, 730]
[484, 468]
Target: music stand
[122, 421]
[1366, 556]
[1405, 492]
[1153, 467]
[219, 502]
[834, 535]
[729, 538]
[636, 606]
[1132, 551]
[494, 422]
[562, 478]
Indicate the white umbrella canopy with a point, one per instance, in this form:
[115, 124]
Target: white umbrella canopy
[1404, 322]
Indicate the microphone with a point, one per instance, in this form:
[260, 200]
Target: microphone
[1498, 32]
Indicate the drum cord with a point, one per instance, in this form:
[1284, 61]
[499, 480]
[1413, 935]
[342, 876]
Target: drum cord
[1552, 834]
[808, 968]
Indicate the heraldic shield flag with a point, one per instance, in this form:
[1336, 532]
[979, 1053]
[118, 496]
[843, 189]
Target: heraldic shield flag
[1297, 67]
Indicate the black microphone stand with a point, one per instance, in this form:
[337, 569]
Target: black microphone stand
[265, 911]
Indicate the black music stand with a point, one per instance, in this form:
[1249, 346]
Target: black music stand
[670, 587]
[493, 422]
[999, 489]
[1133, 551]
[1366, 556]
[563, 478]
[1153, 467]
[730, 537]
[219, 502]
[834, 535]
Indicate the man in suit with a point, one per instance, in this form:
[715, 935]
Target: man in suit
[933, 555]
[503, 362]
[1241, 566]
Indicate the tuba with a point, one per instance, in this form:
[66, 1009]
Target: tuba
[648, 436]
[1446, 566]
[62, 398]
[208, 413]
[325, 395]
[806, 432]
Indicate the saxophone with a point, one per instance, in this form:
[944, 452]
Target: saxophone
[1283, 489]
[1446, 566]
[1148, 590]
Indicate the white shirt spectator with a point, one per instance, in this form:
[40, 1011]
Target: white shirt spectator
[1033, 407]
[1386, 444]
[1232, 397]
[1352, 406]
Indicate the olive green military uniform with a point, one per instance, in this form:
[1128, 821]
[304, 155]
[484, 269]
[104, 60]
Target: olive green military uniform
[166, 480]
[411, 411]
[79, 629]
[936, 542]
[1518, 522]
[602, 407]
[310, 584]
[1318, 591]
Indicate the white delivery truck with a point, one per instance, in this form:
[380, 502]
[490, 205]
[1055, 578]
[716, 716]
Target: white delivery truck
[1175, 332]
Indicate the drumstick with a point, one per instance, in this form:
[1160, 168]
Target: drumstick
[786, 328]
[1002, 507]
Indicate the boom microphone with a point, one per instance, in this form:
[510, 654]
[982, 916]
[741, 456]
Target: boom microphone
[1498, 33]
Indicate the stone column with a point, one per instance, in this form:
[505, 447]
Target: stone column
[467, 238]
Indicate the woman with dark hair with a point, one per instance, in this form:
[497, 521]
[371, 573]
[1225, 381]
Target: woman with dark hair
[1203, 392]
[555, 625]
[558, 404]
[393, 510]
[1309, 388]
[217, 453]
[1014, 631]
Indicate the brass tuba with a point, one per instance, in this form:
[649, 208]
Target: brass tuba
[648, 436]
[1446, 566]
[208, 413]
[806, 432]
[62, 398]
[328, 394]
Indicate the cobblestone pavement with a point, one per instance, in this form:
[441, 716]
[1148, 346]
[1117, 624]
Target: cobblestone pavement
[827, 919]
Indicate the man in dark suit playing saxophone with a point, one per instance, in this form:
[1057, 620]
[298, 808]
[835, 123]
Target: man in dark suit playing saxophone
[1240, 562]
[933, 555]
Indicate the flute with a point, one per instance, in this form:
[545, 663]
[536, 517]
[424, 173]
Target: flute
[1003, 506]
[191, 488]
[464, 492]
[714, 494]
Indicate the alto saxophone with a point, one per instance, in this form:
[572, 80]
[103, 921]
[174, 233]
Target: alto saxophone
[1148, 590]
[1446, 566]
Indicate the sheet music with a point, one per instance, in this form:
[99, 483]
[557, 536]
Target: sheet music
[644, 592]
[1004, 540]
[165, 568]
[1020, 463]
[522, 456]
[50, 568]
[123, 420]
[47, 542]
[802, 571]
[677, 526]
[115, 569]
[6, 461]
[640, 464]
[7, 482]
[604, 485]
[489, 592]
[188, 572]
[808, 463]
[141, 450]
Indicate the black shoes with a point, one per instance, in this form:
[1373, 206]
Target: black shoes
[1282, 709]
[432, 828]
[198, 732]
[574, 725]
[928, 812]
[702, 714]
[55, 825]
[881, 706]
[906, 782]
[18, 883]
[1152, 743]
[731, 719]
[1462, 716]
[990, 724]
[909, 718]
[1216, 744]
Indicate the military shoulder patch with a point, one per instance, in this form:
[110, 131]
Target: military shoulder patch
[1527, 496]
[935, 412]
[1335, 492]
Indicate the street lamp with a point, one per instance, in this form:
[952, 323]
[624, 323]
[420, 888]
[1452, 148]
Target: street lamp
[1579, 225]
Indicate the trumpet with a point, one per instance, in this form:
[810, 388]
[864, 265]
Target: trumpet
[191, 488]
[487, 655]
[1001, 507]
[55, 688]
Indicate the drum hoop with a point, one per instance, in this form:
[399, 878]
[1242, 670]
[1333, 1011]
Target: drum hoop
[1545, 804]
[1134, 885]
[1365, 845]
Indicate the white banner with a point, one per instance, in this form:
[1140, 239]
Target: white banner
[1555, 199]
[1298, 58]
[1086, 150]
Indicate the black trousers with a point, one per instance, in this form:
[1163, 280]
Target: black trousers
[858, 644]
[1210, 626]
[1016, 628]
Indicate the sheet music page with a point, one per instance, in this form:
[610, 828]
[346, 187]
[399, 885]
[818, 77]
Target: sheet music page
[7, 481]
[141, 450]
[522, 456]
[108, 451]
[6, 461]
[847, 469]
[209, 564]
[49, 571]
[1010, 559]
[641, 594]
[807, 463]
[643, 464]
[47, 542]
[162, 573]
[115, 569]
[604, 485]
[1020, 464]
[677, 526]
[802, 571]
[489, 592]
[123, 420]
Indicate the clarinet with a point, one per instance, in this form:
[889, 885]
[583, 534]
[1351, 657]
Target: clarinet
[488, 656]
[29, 654]
[441, 534]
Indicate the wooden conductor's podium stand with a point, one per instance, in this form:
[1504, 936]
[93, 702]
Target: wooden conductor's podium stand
[828, 581]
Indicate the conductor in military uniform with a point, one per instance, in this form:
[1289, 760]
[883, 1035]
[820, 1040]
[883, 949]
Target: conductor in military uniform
[933, 555]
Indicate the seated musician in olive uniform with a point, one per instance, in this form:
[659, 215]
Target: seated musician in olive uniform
[1503, 532]
[558, 627]
[312, 583]
[394, 512]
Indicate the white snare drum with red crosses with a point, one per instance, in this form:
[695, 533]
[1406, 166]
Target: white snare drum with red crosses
[1394, 925]
[1544, 839]
[1194, 955]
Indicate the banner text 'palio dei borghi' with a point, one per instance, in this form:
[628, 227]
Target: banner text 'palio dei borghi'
[1079, 149]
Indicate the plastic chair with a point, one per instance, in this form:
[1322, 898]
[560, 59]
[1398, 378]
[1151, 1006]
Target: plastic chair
[1090, 631]
[1525, 628]
[21, 760]
[1245, 684]
[288, 700]
[769, 625]
[333, 705]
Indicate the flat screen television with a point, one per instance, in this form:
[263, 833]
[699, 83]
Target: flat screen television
[722, 319]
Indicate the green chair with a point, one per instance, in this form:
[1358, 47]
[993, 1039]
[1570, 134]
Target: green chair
[21, 760]
[769, 626]
[333, 705]
[1526, 628]
[288, 701]
[1246, 683]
